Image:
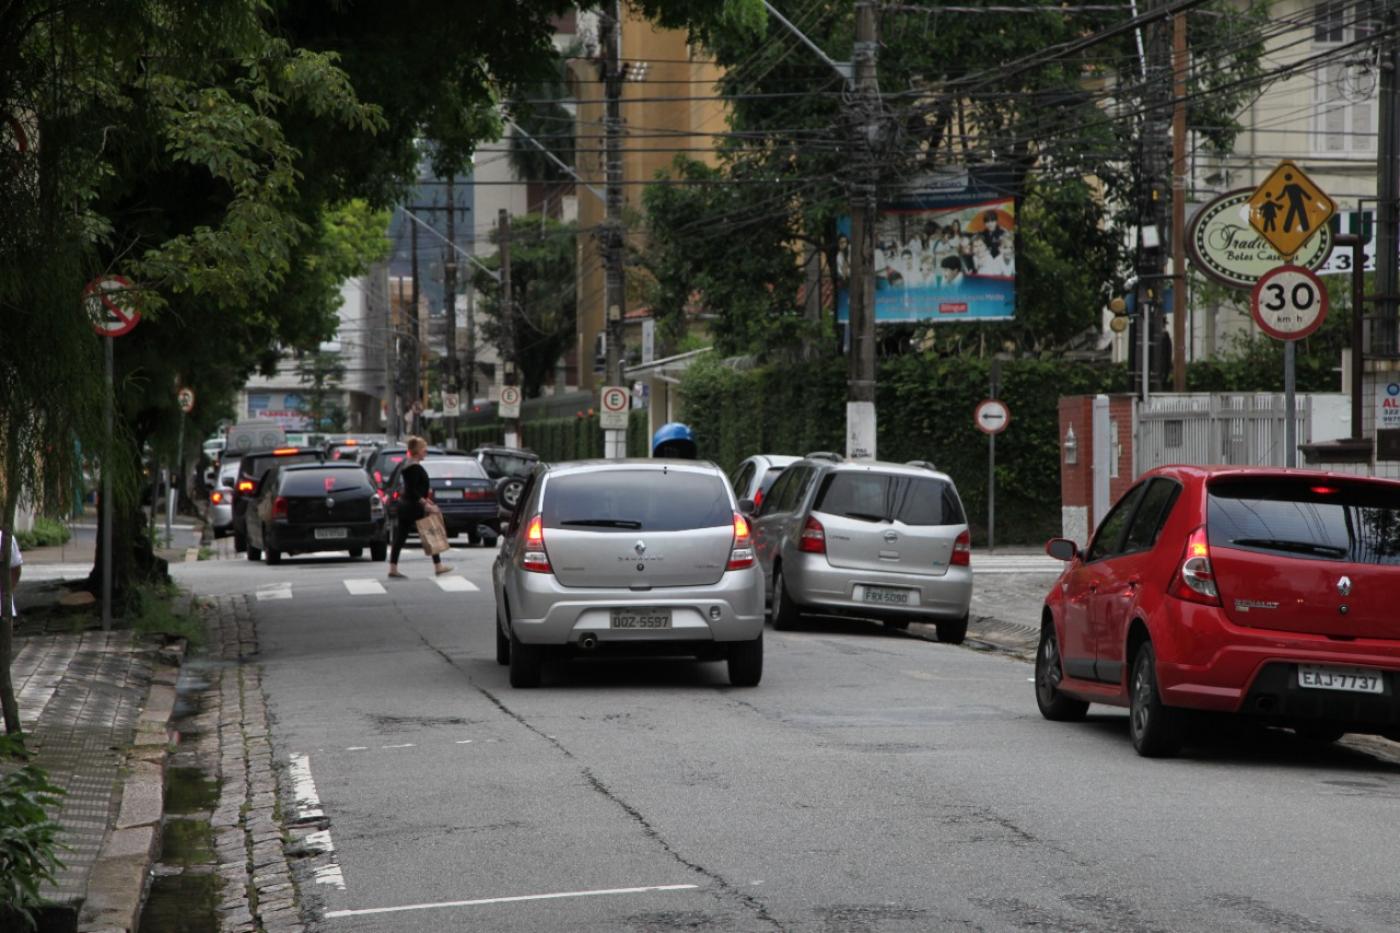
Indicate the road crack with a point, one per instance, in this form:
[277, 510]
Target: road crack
[718, 881]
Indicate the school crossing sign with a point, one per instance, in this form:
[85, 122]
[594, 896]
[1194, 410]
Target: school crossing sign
[1288, 209]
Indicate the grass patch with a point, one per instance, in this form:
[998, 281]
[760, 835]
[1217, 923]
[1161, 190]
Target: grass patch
[206, 553]
[47, 532]
[161, 609]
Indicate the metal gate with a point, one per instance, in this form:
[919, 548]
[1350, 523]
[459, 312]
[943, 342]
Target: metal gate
[1244, 429]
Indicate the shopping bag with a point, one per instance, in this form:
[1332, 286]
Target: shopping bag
[433, 533]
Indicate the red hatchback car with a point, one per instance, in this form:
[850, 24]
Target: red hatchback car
[1262, 592]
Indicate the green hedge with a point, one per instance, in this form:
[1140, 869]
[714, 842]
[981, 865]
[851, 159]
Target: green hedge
[559, 439]
[925, 407]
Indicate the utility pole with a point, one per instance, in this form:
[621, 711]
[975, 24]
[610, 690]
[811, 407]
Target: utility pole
[469, 376]
[1179, 305]
[614, 285]
[413, 317]
[391, 348]
[860, 394]
[508, 319]
[1383, 329]
[449, 300]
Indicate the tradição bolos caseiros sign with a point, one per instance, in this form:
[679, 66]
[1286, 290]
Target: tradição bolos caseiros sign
[1227, 248]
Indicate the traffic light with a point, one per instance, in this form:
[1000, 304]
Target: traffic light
[1119, 307]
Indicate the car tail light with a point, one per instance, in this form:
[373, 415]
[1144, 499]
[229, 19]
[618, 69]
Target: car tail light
[379, 479]
[396, 495]
[813, 540]
[284, 451]
[962, 551]
[216, 497]
[1195, 581]
[279, 507]
[741, 556]
[535, 559]
[757, 499]
[245, 485]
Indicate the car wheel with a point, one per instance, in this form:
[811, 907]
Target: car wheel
[510, 492]
[502, 645]
[378, 552]
[254, 554]
[746, 662]
[1318, 734]
[356, 553]
[526, 661]
[272, 557]
[473, 540]
[1049, 671]
[1156, 728]
[952, 632]
[785, 611]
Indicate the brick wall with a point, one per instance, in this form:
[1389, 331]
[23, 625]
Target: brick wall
[1077, 479]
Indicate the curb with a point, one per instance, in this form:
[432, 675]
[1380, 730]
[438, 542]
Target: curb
[118, 882]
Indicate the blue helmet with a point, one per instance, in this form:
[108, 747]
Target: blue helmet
[673, 440]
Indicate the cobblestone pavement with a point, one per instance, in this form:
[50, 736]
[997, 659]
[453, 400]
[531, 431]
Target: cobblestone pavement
[258, 892]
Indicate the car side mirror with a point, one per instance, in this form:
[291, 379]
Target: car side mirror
[1062, 549]
[746, 507]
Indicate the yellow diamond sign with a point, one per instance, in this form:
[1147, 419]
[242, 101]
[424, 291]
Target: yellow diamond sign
[1288, 209]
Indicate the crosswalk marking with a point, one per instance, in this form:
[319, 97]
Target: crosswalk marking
[364, 587]
[275, 591]
[452, 583]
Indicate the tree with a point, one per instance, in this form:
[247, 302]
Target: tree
[541, 325]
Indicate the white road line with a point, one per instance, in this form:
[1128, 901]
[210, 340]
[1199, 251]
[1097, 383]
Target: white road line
[404, 745]
[364, 587]
[275, 591]
[358, 748]
[509, 900]
[452, 583]
[304, 789]
[464, 741]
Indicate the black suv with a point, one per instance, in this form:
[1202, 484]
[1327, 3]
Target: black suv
[252, 468]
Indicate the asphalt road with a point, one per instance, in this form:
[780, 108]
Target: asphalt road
[872, 782]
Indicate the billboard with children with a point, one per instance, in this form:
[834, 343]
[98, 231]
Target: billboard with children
[941, 256]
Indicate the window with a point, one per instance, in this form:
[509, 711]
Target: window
[454, 469]
[913, 500]
[1345, 92]
[773, 501]
[793, 492]
[259, 402]
[1151, 515]
[1173, 432]
[1111, 529]
[740, 483]
[1353, 522]
[322, 482]
[636, 500]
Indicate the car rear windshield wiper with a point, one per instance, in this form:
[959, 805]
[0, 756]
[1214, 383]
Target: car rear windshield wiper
[1300, 547]
[865, 516]
[602, 523]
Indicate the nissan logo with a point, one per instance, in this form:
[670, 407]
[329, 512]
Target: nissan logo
[891, 537]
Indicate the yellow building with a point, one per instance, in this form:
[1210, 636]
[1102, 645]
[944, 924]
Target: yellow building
[669, 107]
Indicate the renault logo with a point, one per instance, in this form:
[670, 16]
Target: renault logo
[1344, 586]
[640, 547]
[330, 502]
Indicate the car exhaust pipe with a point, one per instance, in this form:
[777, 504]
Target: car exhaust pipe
[588, 641]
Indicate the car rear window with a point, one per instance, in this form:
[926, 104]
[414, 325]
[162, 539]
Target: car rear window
[877, 497]
[1322, 520]
[637, 500]
[319, 482]
[344, 452]
[454, 469]
[260, 465]
[507, 465]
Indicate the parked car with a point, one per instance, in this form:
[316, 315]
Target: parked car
[755, 476]
[1267, 593]
[877, 540]
[505, 461]
[252, 467]
[306, 507]
[463, 492]
[643, 556]
[221, 500]
[380, 465]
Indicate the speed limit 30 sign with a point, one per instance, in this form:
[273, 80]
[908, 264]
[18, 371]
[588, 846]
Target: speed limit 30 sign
[1289, 302]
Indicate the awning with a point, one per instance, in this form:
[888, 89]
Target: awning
[667, 369]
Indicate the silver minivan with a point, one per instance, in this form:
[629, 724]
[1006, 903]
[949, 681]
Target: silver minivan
[629, 556]
[879, 540]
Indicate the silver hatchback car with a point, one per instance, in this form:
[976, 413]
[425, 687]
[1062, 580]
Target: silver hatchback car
[639, 556]
[878, 540]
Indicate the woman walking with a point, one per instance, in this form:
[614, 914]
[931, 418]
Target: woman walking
[415, 504]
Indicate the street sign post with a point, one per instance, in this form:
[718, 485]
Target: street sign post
[1289, 208]
[185, 397]
[451, 404]
[1288, 304]
[510, 402]
[612, 412]
[991, 417]
[110, 301]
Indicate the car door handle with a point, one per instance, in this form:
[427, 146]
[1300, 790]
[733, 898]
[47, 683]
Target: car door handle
[1093, 587]
[1134, 583]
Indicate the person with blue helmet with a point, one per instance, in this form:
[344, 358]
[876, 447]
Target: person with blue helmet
[675, 441]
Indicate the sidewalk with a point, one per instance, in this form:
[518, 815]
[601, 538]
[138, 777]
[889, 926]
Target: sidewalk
[95, 707]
